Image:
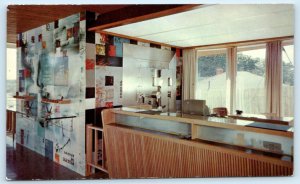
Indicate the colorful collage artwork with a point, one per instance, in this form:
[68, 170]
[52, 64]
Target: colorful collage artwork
[61, 71]
[21, 81]
[100, 49]
[108, 71]
[66, 33]
[45, 71]
[108, 86]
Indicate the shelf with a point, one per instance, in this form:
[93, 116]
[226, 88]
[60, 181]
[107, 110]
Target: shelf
[95, 128]
[48, 119]
[100, 167]
[62, 117]
[92, 138]
[66, 101]
[26, 114]
[25, 97]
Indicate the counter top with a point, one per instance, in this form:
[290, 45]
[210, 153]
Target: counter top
[265, 118]
[220, 122]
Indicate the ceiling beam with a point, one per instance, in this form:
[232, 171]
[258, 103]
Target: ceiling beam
[138, 13]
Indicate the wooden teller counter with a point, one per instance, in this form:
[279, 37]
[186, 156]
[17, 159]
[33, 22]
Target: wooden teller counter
[141, 143]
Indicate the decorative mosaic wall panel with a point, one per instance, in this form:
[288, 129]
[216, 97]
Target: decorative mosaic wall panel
[51, 68]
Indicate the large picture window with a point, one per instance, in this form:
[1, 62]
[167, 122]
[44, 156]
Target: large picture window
[211, 81]
[247, 86]
[11, 76]
[288, 66]
[250, 79]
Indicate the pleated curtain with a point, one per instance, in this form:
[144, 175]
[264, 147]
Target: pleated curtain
[189, 74]
[231, 78]
[273, 77]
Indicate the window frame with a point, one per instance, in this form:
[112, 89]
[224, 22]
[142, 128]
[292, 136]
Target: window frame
[232, 71]
[287, 43]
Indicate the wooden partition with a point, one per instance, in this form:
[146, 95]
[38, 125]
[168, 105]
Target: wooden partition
[136, 154]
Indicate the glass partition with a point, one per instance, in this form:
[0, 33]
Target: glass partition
[165, 126]
[252, 140]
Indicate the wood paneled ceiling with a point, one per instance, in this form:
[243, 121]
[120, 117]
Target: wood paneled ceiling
[21, 18]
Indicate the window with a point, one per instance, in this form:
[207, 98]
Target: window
[211, 81]
[11, 75]
[249, 83]
[288, 66]
[250, 79]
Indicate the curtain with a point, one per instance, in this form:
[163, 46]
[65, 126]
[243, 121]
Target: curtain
[231, 78]
[190, 71]
[273, 77]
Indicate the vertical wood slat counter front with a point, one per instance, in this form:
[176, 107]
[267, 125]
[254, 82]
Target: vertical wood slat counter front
[135, 152]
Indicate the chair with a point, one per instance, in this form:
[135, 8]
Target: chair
[220, 111]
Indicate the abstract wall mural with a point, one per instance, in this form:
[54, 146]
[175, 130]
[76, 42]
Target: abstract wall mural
[61, 71]
[51, 74]
[108, 86]
[108, 71]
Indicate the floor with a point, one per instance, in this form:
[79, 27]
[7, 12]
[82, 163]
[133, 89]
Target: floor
[24, 164]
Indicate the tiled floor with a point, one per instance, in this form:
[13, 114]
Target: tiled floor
[24, 164]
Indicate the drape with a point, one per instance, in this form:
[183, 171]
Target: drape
[273, 77]
[231, 78]
[190, 71]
